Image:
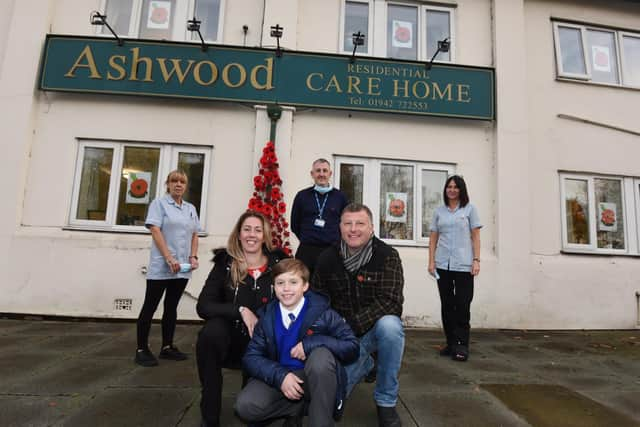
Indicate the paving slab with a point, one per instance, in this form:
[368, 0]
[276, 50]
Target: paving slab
[134, 407]
[72, 377]
[552, 405]
[465, 409]
[627, 402]
[36, 411]
[169, 373]
[20, 366]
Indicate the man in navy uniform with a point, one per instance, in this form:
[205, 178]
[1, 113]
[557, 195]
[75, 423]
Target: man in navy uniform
[315, 215]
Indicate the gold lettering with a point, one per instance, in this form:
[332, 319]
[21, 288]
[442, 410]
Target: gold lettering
[134, 66]
[333, 83]
[414, 89]
[349, 68]
[198, 78]
[117, 67]
[177, 69]
[353, 82]
[463, 92]
[87, 55]
[405, 88]
[309, 77]
[227, 69]
[268, 84]
[374, 83]
[438, 93]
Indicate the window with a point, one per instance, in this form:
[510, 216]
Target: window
[356, 18]
[115, 182]
[402, 195]
[597, 54]
[162, 19]
[599, 214]
[410, 32]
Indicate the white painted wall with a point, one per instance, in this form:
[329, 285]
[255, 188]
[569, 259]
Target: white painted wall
[511, 165]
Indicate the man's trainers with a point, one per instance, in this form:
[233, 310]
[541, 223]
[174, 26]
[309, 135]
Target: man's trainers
[388, 417]
[144, 357]
[171, 352]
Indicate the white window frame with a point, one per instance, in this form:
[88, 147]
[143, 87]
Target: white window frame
[585, 53]
[183, 12]
[623, 56]
[167, 162]
[620, 58]
[371, 190]
[377, 32]
[631, 214]
[369, 36]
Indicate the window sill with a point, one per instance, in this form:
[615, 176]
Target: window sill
[566, 251]
[590, 82]
[405, 243]
[115, 229]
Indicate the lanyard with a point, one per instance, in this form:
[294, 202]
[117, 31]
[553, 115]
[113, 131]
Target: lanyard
[324, 203]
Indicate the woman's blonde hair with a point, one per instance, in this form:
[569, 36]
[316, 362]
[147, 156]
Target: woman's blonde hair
[176, 175]
[234, 247]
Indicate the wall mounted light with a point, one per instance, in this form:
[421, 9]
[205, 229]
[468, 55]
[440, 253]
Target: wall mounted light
[194, 25]
[358, 40]
[276, 31]
[443, 46]
[96, 18]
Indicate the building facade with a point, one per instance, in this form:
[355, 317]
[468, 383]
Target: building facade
[552, 167]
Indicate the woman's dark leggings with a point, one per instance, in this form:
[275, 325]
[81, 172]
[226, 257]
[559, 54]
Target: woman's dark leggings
[456, 293]
[155, 288]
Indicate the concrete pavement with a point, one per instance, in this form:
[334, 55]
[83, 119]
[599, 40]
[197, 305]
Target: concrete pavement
[78, 373]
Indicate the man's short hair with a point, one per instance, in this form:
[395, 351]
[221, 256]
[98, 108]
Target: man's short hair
[291, 265]
[358, 207]
[320, 160]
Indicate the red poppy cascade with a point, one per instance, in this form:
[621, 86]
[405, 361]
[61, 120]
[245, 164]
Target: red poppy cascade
[267, 197]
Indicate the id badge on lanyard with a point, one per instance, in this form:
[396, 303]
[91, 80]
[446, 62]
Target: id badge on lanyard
[320, 222]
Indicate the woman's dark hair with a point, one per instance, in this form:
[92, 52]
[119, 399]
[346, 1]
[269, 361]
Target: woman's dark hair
[464, 196]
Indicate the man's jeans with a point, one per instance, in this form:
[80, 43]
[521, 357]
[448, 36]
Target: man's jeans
[387, 338]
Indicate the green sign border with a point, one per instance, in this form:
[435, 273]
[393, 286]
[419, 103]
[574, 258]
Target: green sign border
[277, 95]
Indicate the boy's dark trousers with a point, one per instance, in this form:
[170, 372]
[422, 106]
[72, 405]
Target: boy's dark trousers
[260, 402]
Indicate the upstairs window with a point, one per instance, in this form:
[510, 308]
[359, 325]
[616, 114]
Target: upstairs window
[410, 32]
[162, 19]
[597, 55]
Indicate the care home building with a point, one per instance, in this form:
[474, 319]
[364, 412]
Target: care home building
[534, 102]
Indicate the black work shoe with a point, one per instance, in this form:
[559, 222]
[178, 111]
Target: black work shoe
[144, 357]
[388, 417]
[171, 352]
[295, 421]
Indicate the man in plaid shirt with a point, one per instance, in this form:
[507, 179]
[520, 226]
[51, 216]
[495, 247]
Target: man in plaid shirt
[363, 278]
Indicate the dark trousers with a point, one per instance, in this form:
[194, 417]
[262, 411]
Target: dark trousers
[259, 402]
[155, 288]
[309, 254]
[220, 344]
[456, 293]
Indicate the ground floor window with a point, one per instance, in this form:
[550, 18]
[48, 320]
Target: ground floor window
[402, 195]
[600, 213]
[115, 181]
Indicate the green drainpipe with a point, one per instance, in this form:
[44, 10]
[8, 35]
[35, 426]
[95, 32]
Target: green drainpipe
[274, 111]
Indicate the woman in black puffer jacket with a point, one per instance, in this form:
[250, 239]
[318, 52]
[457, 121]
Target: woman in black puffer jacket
[237, 287]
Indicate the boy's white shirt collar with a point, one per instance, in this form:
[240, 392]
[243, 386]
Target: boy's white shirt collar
[285, 312]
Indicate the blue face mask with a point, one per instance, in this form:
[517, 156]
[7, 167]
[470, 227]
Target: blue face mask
[322, 190]
[185, 268]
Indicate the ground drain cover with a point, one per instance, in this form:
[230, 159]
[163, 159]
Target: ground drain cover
[552, 405]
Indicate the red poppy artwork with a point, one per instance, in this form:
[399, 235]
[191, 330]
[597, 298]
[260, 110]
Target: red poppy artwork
[607, 216]
[402, 34]
[138, 184]
[159, 15]
[268, 198]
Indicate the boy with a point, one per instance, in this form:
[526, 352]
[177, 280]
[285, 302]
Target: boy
[296, 355]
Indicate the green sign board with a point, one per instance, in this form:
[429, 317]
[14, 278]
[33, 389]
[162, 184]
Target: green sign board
[224, 73]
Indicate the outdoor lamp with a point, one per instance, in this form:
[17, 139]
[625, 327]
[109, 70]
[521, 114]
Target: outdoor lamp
[443, 46]
[358, 40]
[276, 32]
[95, 18]
[194, 25]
